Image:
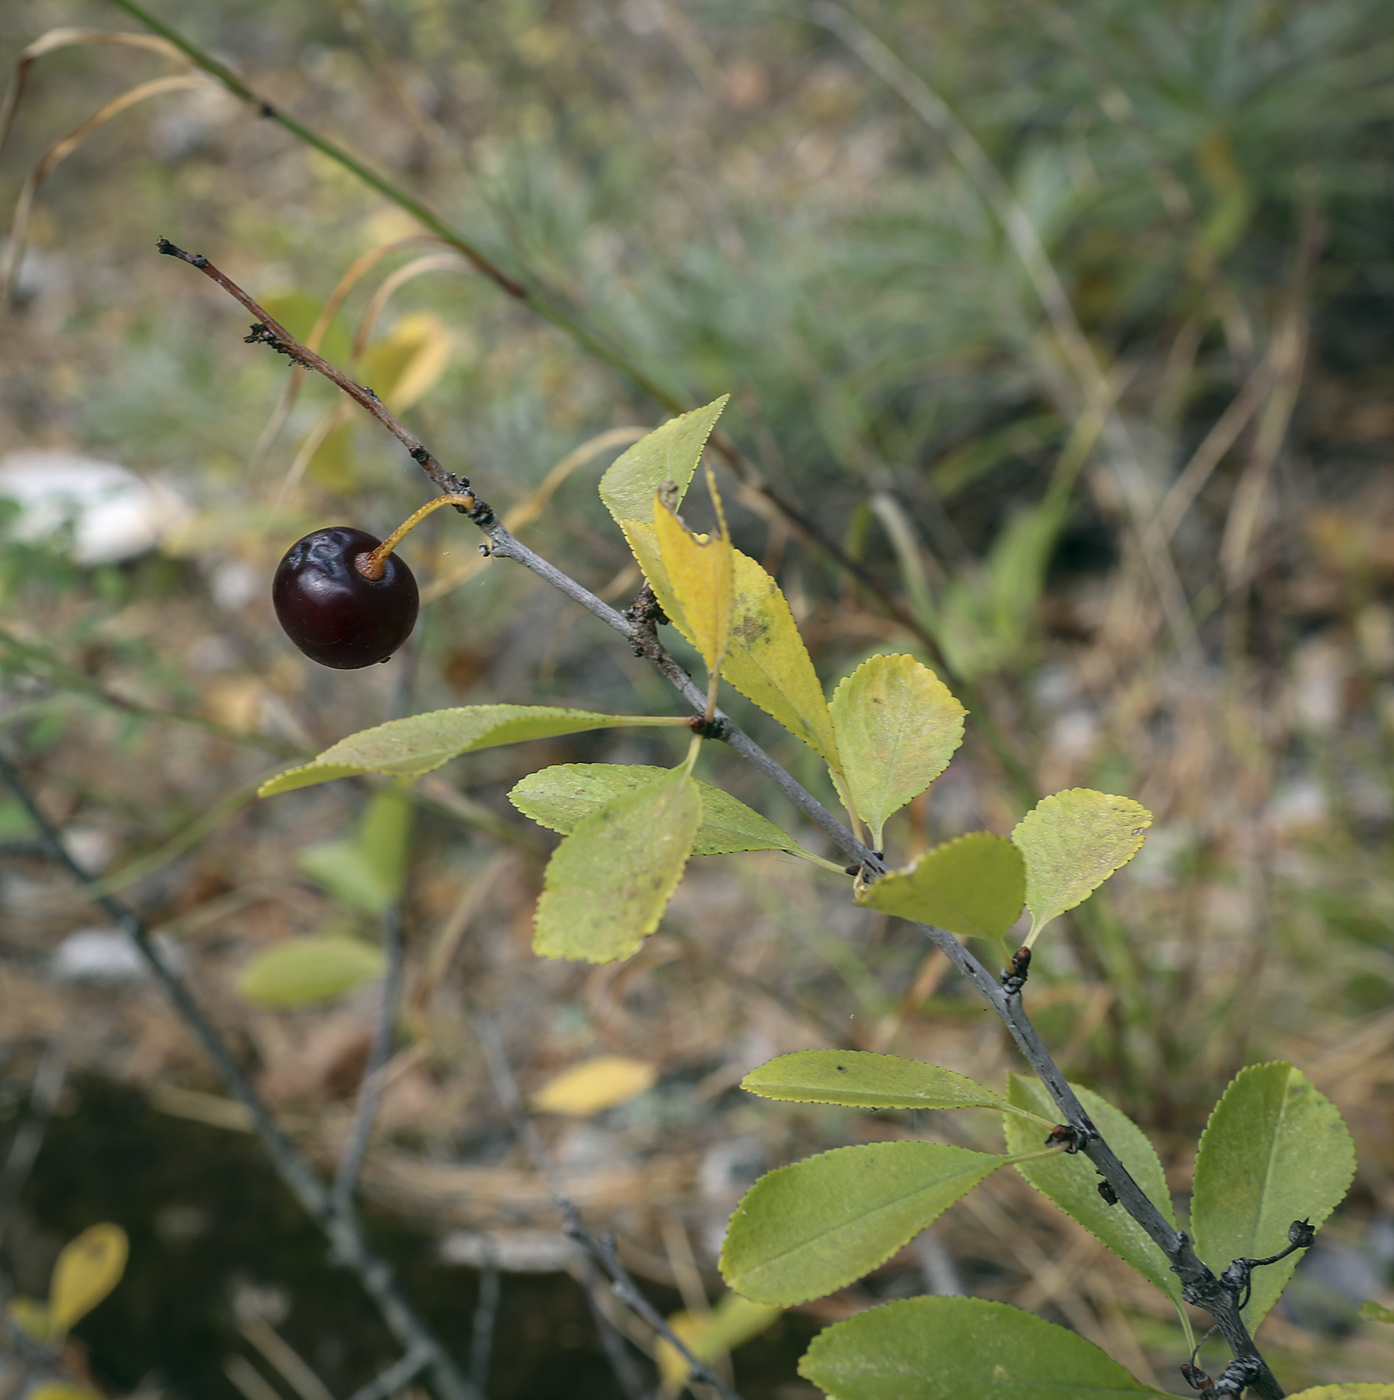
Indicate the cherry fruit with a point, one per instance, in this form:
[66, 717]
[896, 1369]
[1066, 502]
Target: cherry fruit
[332, 607]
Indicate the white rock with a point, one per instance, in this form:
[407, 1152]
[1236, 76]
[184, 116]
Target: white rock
[114, 513]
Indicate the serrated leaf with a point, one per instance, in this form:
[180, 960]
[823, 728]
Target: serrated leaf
[953, 1348]
[1351, 1390]
[897, 727]
[301, 971]
[973, 886]
[1072, 1183]
[422, 743]
[1275, 1150]
[560, 796]
[709, 1336]
[861, 1079]
[608, 883]
[1072, 843]
[766, 659]
[595, 1085]
[669, 453]
[88, 1268]
[701, 576]
[1372, 1311]
[813, 1227]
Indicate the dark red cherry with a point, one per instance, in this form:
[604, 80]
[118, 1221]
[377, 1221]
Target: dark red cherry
[334, 614]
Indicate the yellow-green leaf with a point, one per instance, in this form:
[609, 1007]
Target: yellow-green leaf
[422, 743]
[61, 1390]
[862, 1079]
[595, 1085]
[1372, 1311]
[766, 659]
[1275, 1150]
[404, 366]
[700, 573]
[817, 1225]
[87, 1270]
[1072, 842]
[30, 1314]
[973, 886]
[897, 727]
[1072, 1183]
[560, 796]
[709, 1336]
[962, 1349]
[300, 971]
[669, 453]
[608, 883]
[1351, 1390]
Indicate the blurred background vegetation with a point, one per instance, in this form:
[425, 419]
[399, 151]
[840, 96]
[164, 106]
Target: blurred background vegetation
[1071, 327]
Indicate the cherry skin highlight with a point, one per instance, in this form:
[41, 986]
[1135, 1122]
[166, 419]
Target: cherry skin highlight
[332, 612]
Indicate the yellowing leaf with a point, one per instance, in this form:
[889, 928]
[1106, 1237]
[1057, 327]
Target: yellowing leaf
[300, 971]
[973, 886]
[897, 726]
[61, 1390]
[30, 1314]
[1072, 842]
[422, 743]
[731, 1323]
[402, 368]
[766, 659]
[560, 797]
[87, 1270]
[595, 1085]
[700, 573]
[669, 453]
[608, 883]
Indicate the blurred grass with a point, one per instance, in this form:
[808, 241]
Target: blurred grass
[980, 297]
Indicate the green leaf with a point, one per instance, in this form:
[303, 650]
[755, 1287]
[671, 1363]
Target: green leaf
[973, 886]
[1351, 1390]
[813, 1227]
[1372, 1311]
[422, 743]
[897, 727]
[669, 453]
[340, 867]
[766, 659]
[300, 971]
[563, 795]
[953, 1348]
[1072, 1183]
[1275, 1150]
[384, 837]
[1072, 843]
[862, 1079]
[608, 883]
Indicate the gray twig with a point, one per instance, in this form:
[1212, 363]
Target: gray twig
[340, 1226]
[370, 1085]
[1199, 1284]
[29, 1136]
[390, 1381]
[600, 1248]
[486, 1311]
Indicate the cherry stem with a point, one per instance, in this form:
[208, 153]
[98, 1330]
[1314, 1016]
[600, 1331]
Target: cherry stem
[371, 564]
